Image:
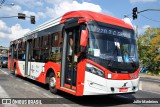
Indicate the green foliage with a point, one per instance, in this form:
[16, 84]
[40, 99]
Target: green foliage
[149, 49]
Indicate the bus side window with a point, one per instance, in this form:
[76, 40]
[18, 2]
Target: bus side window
[55, 42]
[36, 50]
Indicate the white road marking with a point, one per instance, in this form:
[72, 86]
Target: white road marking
[4, 72]
[11, 76]
[47, 95]
[66, 105]
[55, 96]
[35, 88]
[26, 83]
[18, 79]
[3, 95]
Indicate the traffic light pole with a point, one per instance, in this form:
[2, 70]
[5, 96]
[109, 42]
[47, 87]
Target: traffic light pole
[8, 17]
[22, 16]
[149, 10]
[135, 11]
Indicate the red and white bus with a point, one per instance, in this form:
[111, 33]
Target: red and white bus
[81, 53]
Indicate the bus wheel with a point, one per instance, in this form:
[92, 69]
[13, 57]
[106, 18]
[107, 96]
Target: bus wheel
[52, 83]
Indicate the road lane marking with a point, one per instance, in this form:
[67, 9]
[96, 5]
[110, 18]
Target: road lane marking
[47, 95]
[35, 88]
[3, 94]
[26, 83]
[66, 105]
[151, 92]
[11, 105]
[4, 72]
[11, 76]
[18, 79]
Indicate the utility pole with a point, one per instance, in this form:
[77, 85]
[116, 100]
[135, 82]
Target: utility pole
[136, 31]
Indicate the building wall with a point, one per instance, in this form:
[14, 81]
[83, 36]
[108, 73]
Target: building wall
[3, 51]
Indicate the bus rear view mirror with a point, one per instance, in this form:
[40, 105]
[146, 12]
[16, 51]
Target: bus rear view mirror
[84, 38]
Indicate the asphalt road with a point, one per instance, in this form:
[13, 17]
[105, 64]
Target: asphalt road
[18, 87]
[150, 84]
[147, 79]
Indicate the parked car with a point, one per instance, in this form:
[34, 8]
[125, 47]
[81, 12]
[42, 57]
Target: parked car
[3, 61]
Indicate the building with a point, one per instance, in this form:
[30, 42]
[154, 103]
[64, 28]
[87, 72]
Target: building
[3, 51]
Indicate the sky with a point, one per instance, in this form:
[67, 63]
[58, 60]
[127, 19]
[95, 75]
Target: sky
[44, 10]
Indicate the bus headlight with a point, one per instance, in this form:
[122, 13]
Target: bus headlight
[92, 69]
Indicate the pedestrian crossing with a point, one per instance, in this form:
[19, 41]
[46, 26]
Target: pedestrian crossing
[4, 72]
[3, 97]
[3, 93]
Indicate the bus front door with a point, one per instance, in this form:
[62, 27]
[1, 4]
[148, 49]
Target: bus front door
[69, 59]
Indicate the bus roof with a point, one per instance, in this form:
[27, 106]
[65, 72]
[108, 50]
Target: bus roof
[97, 17]
[81, 14]
[85, 14]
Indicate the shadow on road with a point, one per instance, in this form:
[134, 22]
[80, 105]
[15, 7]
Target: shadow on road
[100, 100]
[44, 86]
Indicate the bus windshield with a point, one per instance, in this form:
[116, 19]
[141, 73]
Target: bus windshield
[113, 48]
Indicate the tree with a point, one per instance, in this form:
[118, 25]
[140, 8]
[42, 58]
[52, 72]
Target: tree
[149, 49]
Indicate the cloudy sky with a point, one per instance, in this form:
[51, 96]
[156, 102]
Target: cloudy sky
[44, 10]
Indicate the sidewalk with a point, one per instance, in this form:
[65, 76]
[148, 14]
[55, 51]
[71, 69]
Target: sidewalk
[149, 76]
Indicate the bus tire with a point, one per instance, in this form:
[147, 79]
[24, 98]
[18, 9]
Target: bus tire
[52, 83]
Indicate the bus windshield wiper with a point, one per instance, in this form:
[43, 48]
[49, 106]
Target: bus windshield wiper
[133, 63]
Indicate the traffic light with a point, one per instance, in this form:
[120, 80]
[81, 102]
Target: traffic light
[135, 13]
[32, 19]
[21, 16]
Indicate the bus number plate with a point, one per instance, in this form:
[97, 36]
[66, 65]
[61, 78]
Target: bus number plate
[123, 89]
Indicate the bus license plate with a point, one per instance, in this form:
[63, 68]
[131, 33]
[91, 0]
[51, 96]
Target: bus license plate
[123, 89]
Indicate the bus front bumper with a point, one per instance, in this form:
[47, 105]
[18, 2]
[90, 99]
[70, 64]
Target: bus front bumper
[96, 85]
